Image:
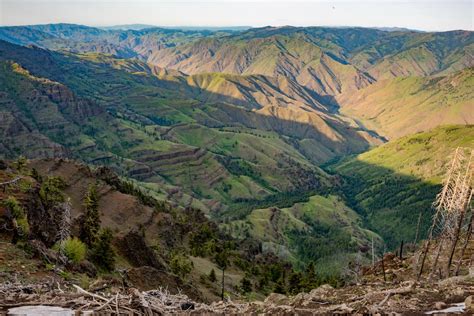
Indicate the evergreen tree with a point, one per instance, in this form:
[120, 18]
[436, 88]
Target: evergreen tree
[91, 221]
[280, 286]
[212, 276]
[102, 254]
[310, 280]
[294, 283]
[35, 175]
[245, 285]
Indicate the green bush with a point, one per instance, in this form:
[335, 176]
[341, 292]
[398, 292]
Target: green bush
[74, 249]
[19, 215]
[20, 163]
[51, 191]
[181, 265]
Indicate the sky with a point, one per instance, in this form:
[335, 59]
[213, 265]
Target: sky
[429, 15]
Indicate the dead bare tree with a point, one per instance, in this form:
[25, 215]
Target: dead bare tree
[65, 229]
[451, 205]
[466, 241]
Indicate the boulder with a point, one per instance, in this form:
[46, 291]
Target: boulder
[469, 303]
[277, 299]
[39, 250]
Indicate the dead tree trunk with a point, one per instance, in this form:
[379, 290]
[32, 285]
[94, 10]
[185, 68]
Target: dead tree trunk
[383, 270]
[466, 242]
[222, 290]
[453, 244]
[417, 229]
[450, 204]
[435, 263]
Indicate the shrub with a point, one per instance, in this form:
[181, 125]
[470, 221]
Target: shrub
[74, 249]
[20, 163]
[51, 191]
[19, 216]
[181, 265]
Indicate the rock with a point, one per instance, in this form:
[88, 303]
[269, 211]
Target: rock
[320, 293]
[299, 299]
[277, 299]
[39, 250]
[187, 306]
[341, 308]
[469, 303]
[458, 291]
[84, 266]
[440, 305]
[40, 310]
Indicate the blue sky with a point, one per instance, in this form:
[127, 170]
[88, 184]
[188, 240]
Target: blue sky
[433, 15]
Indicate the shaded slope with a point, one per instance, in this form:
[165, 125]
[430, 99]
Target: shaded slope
[393, 183]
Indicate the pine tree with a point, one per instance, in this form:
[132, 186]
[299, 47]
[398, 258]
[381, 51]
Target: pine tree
[91, 221]
[310, 280]
[294, 282]
[245, 285]
[102, 253]
[212, 276]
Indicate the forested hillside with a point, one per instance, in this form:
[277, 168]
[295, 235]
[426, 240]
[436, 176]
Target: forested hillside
[393, 184]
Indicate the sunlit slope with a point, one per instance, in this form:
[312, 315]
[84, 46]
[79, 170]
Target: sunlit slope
[403, 106]
[317, 229]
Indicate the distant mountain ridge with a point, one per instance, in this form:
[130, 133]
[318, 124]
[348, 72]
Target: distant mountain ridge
[349, 54]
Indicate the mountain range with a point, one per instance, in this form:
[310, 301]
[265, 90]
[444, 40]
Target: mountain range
[290, 136]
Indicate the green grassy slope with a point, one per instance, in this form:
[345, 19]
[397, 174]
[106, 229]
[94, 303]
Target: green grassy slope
[403, 106]
[300, 232]
[393, 183]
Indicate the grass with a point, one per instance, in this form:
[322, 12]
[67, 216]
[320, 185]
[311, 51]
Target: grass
[392, 184]
[282, 230]
[403, 106]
